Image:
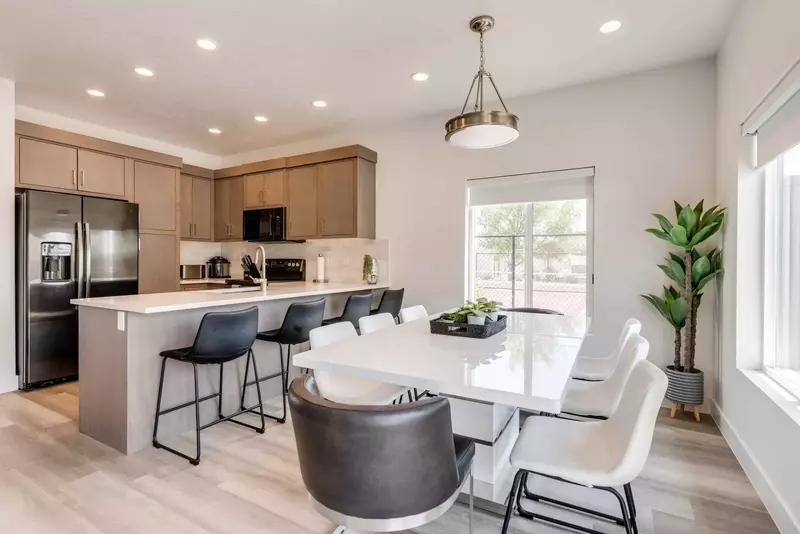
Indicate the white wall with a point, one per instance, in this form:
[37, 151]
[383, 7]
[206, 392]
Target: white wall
[651, 138]
[762, 44]
[192, 157]
[8, 379]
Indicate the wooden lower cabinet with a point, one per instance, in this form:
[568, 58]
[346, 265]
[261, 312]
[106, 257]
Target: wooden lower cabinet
[158, 263]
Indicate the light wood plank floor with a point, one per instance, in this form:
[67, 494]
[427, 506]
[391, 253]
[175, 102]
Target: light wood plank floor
[54, 480]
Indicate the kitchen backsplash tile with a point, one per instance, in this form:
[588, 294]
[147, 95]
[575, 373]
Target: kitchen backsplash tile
[343, 257]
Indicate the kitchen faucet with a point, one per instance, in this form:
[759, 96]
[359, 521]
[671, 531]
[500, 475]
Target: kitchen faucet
[262, 269]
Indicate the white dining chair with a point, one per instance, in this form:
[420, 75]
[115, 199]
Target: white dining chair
[412, 313]
[372, 323]
[599, 454]
[601, 368]
[600, 399]
[346, 389]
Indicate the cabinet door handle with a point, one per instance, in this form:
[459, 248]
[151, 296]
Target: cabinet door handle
[323, 224]
[74, 177]
[82, 177]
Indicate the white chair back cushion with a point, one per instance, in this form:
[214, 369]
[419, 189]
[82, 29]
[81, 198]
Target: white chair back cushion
[373, 323]
[633, 424]
[330, 334]
[633, 351]
[413, 313]
[345, 389]
[632, 326]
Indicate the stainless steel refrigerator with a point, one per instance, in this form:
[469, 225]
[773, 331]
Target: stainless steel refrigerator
[68, 247]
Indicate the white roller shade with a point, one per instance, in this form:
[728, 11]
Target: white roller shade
[535, 187]
[780, 133]
[776, 120]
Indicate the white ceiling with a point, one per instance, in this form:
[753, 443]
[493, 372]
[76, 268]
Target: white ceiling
[275, 57]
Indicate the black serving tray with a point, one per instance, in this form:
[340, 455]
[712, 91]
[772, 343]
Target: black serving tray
[489, 329]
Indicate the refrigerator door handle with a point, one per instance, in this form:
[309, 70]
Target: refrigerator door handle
[88, 255]
[79, 259]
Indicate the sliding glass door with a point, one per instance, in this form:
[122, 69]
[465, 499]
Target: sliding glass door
[532, 254]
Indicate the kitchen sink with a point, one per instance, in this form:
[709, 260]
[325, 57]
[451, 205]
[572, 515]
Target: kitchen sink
[232, 290]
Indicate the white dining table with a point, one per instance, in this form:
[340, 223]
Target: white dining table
[526, 366]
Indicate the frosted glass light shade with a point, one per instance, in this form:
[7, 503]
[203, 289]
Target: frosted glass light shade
[482, 129]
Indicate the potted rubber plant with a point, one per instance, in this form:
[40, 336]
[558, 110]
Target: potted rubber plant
[692, 270]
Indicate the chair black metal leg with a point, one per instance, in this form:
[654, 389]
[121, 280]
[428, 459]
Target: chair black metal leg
[156, 444]
[219, 401]
[512, 499]
[288, 366]
[285, 388]
[196, 461]
[631, 507]
[410, 398]
[244, 383]
[258, 392]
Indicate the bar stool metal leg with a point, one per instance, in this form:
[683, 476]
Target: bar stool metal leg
[196, 461]
[219, 403]
[156, 444]
[258, 392]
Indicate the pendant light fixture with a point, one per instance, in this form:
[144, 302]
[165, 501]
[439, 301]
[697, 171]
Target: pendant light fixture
[479, 128]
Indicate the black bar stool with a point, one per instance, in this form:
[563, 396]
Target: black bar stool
[221, 338]
[356, 307]
[301, 318]
[391, 302]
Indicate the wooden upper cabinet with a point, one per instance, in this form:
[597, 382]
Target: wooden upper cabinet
[101, 173]
[186, 206]
[155, 189]
[228, 207]
[236, 192]
[196, 207]
[302, 202]
[253, 191]
[222, 210]
[201, 208]
[336, 190]
[47, 164]
[274, 188]
[265, 190]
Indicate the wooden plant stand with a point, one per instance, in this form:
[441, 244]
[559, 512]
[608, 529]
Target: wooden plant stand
[674, 410]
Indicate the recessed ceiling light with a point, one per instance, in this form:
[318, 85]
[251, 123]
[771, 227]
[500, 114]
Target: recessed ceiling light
[419, 76]
[95, 92]
[261, 118]
[611, 26]
[215, 131]
[319, 103]
[141, 71]
[206, 44]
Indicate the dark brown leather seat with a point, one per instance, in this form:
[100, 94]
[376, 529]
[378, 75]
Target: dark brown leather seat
[378, 468]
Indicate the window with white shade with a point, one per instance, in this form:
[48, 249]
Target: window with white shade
[782, 270]
[530, 240]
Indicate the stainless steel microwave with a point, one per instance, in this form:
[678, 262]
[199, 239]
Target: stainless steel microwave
[265, 225]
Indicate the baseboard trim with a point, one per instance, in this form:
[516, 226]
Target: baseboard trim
[775, 504]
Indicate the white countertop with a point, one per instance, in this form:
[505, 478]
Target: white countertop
[192, 281]
[187, 300]
[527, 365]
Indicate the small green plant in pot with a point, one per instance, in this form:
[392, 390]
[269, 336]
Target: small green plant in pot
[489, 307]
[692, 270]
[471, 313]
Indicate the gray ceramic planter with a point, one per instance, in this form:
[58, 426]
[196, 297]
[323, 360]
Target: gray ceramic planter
[685, 388]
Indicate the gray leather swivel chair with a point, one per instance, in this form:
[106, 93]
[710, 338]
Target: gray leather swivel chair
[379, 468]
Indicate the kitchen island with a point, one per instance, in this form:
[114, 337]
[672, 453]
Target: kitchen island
[119, 363]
